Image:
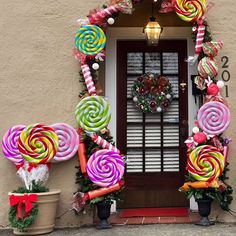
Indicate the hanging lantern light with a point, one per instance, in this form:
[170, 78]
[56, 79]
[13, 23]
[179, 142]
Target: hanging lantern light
[153, 30]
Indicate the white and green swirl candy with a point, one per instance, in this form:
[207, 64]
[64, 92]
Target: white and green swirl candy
[93, 113]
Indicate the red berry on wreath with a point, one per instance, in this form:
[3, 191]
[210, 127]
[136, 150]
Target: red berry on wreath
[153, 104]
[142, 90]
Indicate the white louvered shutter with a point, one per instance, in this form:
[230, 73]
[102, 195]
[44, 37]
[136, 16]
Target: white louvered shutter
[152, 139]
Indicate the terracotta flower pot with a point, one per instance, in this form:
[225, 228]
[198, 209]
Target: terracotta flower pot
[45, 221]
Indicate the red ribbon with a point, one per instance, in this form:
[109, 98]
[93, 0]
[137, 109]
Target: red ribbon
[25, 200]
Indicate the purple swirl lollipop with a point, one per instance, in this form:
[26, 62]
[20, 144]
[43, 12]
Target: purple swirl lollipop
[10, 144]
[105, 168]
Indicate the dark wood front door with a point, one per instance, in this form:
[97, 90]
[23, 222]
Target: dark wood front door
[153, 143]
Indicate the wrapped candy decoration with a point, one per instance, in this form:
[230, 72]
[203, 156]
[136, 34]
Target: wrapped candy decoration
[208, 67]
[211, 49]
[202, 184]
[200, 137]
[213, 89]
[80, 199]
[98, 17]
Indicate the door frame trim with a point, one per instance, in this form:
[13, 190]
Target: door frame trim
[135, 33]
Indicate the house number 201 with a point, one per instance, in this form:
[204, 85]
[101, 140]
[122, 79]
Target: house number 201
[225, 75]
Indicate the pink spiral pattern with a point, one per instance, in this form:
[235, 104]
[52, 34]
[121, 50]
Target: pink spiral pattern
[105, 168]
[68, 142]
[10, 144]
[213, 118]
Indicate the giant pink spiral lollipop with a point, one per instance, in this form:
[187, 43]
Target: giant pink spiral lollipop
[10, 144]
[105, 168]
[213, 118]
[68, 142]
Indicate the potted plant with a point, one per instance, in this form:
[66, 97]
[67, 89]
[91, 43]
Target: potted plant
[207, 168]
[90, 193]
[32, 149]
[220, 193]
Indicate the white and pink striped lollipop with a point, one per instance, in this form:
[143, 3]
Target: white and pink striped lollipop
[10, 144]
[68, 142]
[105, 168]
[213, 118]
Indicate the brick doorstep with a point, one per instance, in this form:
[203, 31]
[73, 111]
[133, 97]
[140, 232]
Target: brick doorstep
[115, 219]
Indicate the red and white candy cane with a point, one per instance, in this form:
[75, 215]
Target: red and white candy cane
[199, 41]
[200, 37]
[88, 79]
[104, 143]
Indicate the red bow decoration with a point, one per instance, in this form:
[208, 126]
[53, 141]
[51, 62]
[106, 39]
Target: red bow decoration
[25, 200]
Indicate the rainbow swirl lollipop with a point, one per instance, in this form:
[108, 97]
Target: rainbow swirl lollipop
[190, 10]
[38, 143]
[205, 163]
[10, 144]
[214, 118]
[93, 113]
[105, 168]
[68, 142]
[90, 40]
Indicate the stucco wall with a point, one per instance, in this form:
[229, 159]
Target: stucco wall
[39, 81]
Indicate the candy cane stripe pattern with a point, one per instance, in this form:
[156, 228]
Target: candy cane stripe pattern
[190, 10]
[214, 118]
[200, 37]
[205, 163]
[104, 143]
[10, 144]
[68, 142]
[105, 168]
[38, 143]
[90, 40]
[93, 113]
[88, 79]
